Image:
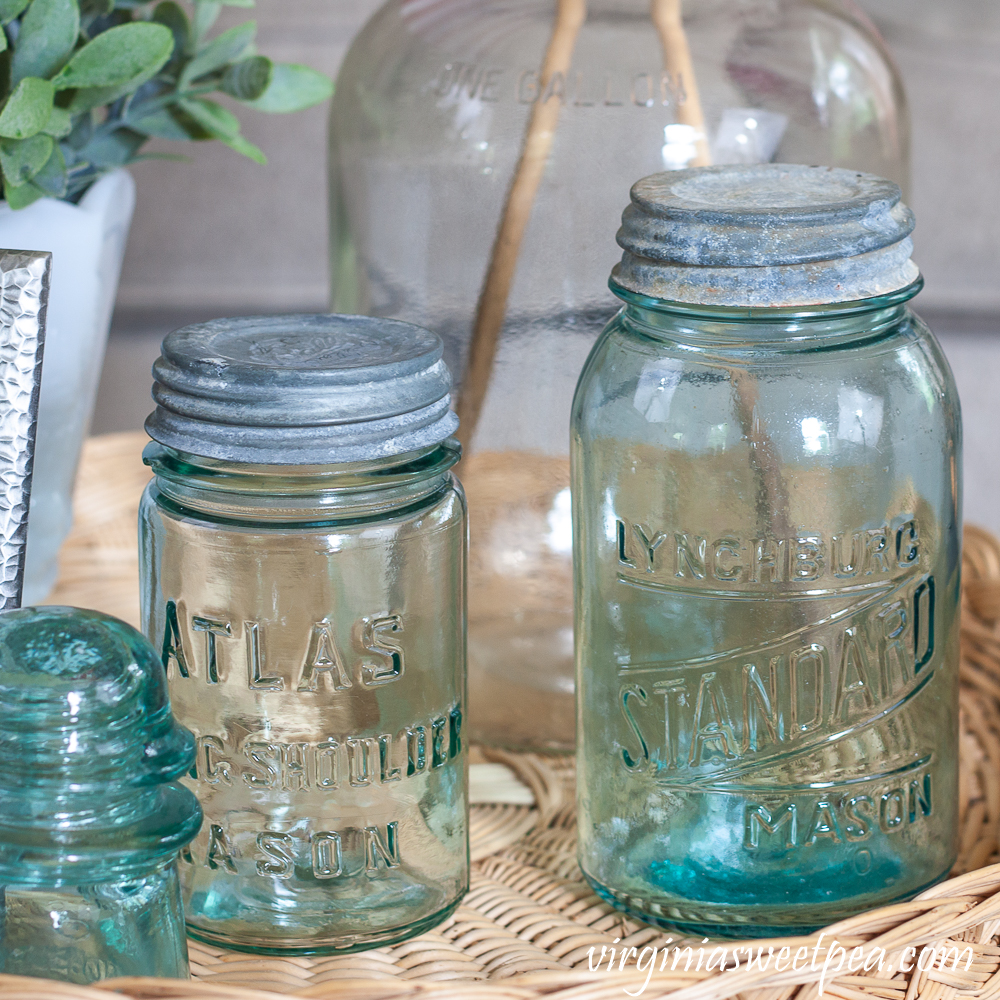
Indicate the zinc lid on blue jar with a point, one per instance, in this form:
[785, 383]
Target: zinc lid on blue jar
[765, 235]
[301, 390]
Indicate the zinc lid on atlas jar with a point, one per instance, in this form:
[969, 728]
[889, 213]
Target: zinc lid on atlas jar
[765, 236]
[301, 390]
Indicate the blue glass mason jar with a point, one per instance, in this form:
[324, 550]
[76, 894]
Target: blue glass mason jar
[766, 468]
[303, 573]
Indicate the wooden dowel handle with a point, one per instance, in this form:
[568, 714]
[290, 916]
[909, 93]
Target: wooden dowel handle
[492, 307]
[667, 16]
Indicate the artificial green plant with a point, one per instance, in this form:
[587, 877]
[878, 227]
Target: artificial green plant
[86, 83]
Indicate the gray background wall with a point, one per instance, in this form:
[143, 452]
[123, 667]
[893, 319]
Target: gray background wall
[223, 235]
[223, 231]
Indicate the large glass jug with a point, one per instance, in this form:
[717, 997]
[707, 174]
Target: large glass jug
[478, 153]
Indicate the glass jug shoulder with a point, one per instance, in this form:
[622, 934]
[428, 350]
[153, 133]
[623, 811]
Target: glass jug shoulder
[312, 621]
[767, 554]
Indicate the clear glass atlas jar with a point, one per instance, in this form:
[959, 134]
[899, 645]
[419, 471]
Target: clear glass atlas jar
[767, 521]
[477, 154]
[303, 560]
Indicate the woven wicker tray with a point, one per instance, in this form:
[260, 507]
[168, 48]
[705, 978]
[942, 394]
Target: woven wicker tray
[528, 924]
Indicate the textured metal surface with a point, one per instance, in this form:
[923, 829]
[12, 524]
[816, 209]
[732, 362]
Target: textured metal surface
[23, 296]
[301, 390]
[765, 235]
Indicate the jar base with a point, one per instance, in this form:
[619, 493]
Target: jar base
[710, 920]
[337, 946]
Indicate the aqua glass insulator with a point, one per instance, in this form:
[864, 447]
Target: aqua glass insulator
[91, 815]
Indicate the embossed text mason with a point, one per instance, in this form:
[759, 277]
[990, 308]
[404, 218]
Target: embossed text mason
[303, 548]
[766, 500]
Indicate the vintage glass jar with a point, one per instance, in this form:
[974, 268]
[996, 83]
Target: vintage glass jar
[477, 154]
[767, 502]
[303, 560]
[91, 814]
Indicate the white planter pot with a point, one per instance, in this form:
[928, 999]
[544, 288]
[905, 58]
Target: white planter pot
[87, 242]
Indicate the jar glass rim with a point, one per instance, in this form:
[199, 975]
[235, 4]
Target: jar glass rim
[769, 314]
[419, 464]
[299, 495]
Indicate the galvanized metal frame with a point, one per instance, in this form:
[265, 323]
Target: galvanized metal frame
[24, 292]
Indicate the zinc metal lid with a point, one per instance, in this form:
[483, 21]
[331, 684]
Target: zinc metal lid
[765, 235]
[301, 390]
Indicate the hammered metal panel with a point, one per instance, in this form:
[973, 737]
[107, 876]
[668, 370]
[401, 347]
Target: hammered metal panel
[24, 290]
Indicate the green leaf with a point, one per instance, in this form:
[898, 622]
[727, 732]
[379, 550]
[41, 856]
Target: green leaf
[52, 177]
[9, 9]
[206, 12]
[171, 15]
[80, 134]
[223, 125]
[246, 148]
[23, 195]
[96, 8]
[22, 159]
[3, 40]
[28, 109]
[229, 47]
[60, 123]
[217, 121]
[248, 79]
[169, 123]
[120, 55]
[293, 88]
[48, 33]
[87, 98]
[113, 149]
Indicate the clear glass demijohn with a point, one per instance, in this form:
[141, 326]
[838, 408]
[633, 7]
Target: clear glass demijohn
[479, 155]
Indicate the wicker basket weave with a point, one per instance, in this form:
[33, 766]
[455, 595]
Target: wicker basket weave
[530, 926]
